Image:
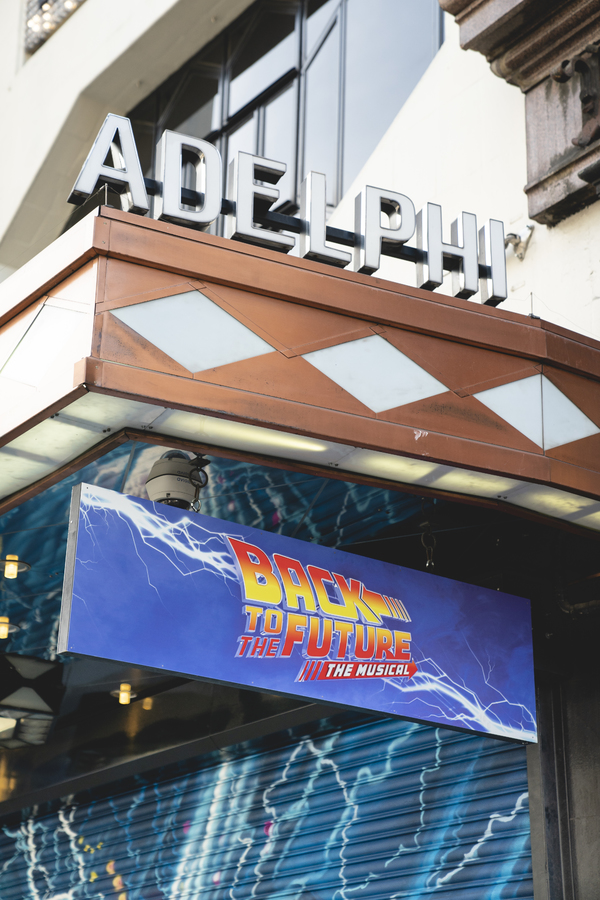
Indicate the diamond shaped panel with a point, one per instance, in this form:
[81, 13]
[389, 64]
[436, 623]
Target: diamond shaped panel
[540, 411]
[563, 421]
[520, 404]
[193, 331]
[375, 373]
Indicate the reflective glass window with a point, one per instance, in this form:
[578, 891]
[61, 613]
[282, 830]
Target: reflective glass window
[265, 51]
[321, 112]
[389, 44]
[322, 109]
[195, 109]
[318, 15]
[243, 138]
[190, 101]
[143, 122]
[280, 138]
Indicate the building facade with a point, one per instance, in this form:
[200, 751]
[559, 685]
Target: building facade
[426, 425]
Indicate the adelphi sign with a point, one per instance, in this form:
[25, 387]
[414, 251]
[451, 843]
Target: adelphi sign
[385, 221]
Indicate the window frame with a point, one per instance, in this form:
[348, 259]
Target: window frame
[296, 75]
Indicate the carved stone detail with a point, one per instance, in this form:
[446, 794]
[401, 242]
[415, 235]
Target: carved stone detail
[525, 40]
[551, 50]
[587, 66]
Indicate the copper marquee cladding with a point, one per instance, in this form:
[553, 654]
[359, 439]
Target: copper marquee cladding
[130, 327]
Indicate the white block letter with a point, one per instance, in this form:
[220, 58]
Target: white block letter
[312, 243]
[244, 173]
[371, 234]
[464, 246]
[126, 173]
[208, 166]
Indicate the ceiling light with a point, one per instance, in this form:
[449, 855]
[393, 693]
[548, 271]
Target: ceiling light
[6, 628]
[125, 695]
[384, 465]
[12, 565]
[481, 484]
[147, 703]
[552, 502]
[239, 435]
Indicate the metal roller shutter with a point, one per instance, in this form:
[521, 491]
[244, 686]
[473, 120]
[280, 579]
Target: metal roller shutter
[355, 809]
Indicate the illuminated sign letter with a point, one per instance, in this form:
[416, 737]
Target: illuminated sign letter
[313, 205]
[464, 246]
[369, 205]
[206, 161]
[245, 171]
[493, 253]
[125, 175]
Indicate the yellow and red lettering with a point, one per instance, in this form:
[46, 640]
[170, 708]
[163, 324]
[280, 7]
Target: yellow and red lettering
[402, 650]
[254, 564]
[258, 647]
[314, 650]
[272, 648]
[344, 629]
[347, 610]
[355, 600]
[395, 607]
[385, 643]
[294, 591]
[253, 612]
[376, 603]
[360, 651]
[273, 621]
[294, 633]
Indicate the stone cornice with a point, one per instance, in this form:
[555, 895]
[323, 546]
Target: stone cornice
[525, 40]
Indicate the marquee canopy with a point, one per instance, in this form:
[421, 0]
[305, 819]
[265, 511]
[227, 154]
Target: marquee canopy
[127, 326]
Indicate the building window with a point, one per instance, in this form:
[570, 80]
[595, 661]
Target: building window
[312, 83]
[43, 17]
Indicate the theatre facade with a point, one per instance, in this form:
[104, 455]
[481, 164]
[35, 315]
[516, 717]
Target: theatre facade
[410, 448]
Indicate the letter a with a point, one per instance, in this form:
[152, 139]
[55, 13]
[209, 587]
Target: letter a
[126, 174]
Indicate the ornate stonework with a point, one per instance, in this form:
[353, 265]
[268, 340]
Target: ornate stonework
[550, 49]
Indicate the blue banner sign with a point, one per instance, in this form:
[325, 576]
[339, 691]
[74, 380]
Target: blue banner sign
[155, 586]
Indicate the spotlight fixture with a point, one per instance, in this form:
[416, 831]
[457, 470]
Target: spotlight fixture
[177, 480]
[6, 628]
[13, 565]
[125, 695]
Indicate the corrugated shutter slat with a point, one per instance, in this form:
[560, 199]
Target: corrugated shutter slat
[378, 810]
